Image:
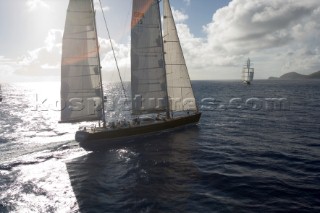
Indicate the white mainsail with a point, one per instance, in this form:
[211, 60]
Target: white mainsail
[245, 74]
[81, 90]
[148, 76]
[179, 86]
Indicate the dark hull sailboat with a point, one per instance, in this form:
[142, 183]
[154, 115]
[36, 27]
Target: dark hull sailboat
[103, 138]
[158, 74]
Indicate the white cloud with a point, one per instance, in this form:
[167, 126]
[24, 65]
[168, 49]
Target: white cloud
[4, 59]
[280, 36]
[248, 25]
[53, 39]
[45, 61]
[179, 16]
[6, 73]
[122, 52]
[42, 61]
[35, 4]
[7, 69]
[97, 6]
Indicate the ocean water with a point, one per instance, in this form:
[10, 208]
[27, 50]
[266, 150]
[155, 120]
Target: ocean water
[256, 148]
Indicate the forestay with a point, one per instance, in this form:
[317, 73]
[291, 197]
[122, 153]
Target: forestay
[80, 68]
[179, 86]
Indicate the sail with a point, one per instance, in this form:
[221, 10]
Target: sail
[179, 86]
[148, 77]
[246, 74]
[80, 65]
[251, 74]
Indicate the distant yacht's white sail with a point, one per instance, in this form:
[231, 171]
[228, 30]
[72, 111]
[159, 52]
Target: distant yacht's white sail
[148, 77]
[251, 74]
[247, 72]
[179, 86]
[80, 67]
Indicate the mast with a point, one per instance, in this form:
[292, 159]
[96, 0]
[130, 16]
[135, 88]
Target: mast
[99, 67]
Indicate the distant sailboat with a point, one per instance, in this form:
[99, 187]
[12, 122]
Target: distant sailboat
[160, 83]
[247, 72]
[0, 93]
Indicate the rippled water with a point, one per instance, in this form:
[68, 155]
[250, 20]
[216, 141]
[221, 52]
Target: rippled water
[244, 156]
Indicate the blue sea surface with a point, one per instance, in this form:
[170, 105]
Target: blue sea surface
[256, 148]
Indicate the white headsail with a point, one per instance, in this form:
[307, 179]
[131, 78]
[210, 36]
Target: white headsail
[80, 68]
[148, 76]
[179, 86]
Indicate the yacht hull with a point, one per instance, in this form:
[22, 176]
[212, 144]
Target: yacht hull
[105, 139]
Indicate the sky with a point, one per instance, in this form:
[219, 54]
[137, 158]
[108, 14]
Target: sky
[217, 37]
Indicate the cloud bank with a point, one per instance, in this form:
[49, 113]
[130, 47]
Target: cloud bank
[279, 37]
[284, 34]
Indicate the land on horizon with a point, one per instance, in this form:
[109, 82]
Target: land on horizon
[296, 76]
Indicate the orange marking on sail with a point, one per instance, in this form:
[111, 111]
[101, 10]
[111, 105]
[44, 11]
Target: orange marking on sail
[77, 58]
[139, 13]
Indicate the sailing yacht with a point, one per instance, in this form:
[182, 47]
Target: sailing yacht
[247, 72]
[0, 94]
[160, 83]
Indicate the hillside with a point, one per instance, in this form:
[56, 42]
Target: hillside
[315, 75]
[297, 76]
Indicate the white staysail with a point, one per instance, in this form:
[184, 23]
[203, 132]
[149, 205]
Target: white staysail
[148, 76]
[81, 90]
[179, 86]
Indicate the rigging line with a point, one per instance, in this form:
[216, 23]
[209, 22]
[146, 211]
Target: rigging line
[114, 55]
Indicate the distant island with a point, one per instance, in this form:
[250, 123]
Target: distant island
[297, 76]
